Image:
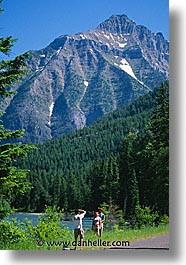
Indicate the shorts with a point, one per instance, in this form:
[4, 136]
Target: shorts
[96, 228]
[78, 232]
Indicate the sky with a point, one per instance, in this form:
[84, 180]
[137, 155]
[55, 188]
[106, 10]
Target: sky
[36, 23]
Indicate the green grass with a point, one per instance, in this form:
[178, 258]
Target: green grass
[116, 236]
[128, 235]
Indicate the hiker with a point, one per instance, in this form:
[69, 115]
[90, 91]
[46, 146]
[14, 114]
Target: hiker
[96, 224]
[102, 216]
[78, 226]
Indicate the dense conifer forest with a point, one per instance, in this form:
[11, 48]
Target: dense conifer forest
[122, 159]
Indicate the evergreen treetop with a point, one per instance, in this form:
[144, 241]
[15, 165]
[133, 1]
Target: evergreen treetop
[12, 179]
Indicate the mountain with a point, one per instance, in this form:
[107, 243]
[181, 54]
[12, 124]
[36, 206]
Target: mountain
[80, 77]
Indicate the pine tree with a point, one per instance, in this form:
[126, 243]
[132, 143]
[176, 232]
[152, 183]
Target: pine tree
[157, 151]
[12, 179]
[133, 194]
[128, 179]
[56, 190]
[98, 185]
[113, 179]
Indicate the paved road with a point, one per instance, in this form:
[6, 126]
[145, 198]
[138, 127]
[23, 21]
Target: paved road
[159, 242]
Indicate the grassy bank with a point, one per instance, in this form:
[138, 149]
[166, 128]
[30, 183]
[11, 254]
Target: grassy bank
[122, 237]
[110, 238]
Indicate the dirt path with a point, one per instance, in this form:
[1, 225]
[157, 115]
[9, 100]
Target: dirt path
[158, 242]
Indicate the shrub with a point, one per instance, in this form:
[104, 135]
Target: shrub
[144, 217]
[23, 235]
[10, 233]
[164, 219]
[50, 231]
[5, 208]
[49, 227]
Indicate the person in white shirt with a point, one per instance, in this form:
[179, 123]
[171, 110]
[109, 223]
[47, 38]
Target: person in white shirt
[78, 226]
[96, 224]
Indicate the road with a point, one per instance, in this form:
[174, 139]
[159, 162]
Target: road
[158, 242]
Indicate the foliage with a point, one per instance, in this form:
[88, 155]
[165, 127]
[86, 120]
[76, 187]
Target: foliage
[120, 218]
[156, 152]
[115, 218]
[25, 234]
[164, 220]
[52, 213]
[5, 208]
[144, 163]
[10, 233]
[128, 178]
[12, 179]
[49, 227]
[144, 217]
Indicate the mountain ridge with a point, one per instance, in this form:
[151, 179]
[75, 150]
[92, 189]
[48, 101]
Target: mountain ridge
[79, 77]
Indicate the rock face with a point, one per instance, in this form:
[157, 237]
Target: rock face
[78, 78]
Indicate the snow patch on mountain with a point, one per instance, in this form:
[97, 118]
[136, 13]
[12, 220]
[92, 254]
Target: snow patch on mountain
[86, 83]
[122, 45]
[51, 107]
[125, 66]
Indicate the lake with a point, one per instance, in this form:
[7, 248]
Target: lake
[34, 217]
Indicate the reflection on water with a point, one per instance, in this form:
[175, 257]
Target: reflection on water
[34, 217]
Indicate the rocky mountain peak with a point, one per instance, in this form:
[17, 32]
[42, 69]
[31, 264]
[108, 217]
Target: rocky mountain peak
[80, 77]
[120, 24]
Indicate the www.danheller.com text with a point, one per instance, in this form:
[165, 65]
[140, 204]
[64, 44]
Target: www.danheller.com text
[85, 243]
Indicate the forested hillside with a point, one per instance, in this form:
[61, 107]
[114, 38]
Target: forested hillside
[121, 159]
